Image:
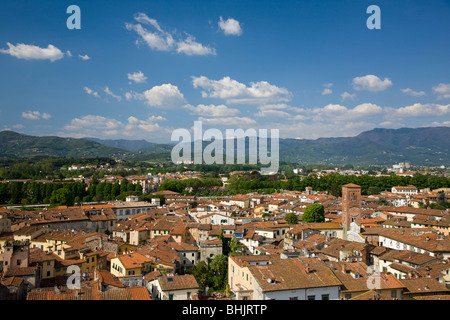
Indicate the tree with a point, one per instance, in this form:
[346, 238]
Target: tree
[201, 274]
[291, 218]
[373, 190]
[62, 197]
[314, 213]
[219, 269]
[235, 247]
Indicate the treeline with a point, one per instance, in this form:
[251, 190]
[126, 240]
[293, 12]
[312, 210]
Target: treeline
[68, 193]
[331, 183]
[190, 186]
[44, 167]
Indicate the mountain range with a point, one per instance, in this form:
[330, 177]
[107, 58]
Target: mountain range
[419, 146]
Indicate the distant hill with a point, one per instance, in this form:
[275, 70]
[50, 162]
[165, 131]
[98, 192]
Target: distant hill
[419, 146]
[130, 145]
[16, 145]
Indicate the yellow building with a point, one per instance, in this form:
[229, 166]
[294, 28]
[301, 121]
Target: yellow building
[125, 248]
[91, 263]
[130, 264]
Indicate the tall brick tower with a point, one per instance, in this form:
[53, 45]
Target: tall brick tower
[351, 205]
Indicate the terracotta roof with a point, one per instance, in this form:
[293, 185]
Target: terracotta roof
[12, 281]
[88, 293]
[105, 277]
[423, 285]
[177, 282]
[133, 260]
[292, 274]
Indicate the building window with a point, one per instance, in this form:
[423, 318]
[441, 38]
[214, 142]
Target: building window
[293, 298]
[394, 293]
[348, 296]
[311, 297]
[325, 297]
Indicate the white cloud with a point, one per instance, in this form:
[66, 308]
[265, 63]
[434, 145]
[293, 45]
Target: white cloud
[233, 91]
[91, 92]
[161, 40]
[163, 96]
[336, 112]
[442, 90]
[271, 113]
[32, 52]
[84, 57]
[110, 93]
[412, 93]
[371, 83]
[212, 110]
[137, 77]
[327, 91]
[99, 126]
[347, 95]
[439, 124]
[420, 110]
[391, 124]
[190, 47]
[230, 26]
[228, 121]
[35, 115]
[282, 106]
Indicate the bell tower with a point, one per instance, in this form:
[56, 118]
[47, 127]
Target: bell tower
[351, 205]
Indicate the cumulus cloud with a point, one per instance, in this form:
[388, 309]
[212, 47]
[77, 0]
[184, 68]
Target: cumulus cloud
[271, 113]
[35, 115]
[336, 112]
[442, 90]
[233, 91]
[420, 110]
[84, 57]
[110, 93]
[137, 77]
[32, 52]
[282, 106]
[212, 110]
[91, 92]
[412, 93]
[327, 91]
[230, 26]
[190, 47]
[100, 126]
[439, 124]
[347, 95]
[228, 121]
[371, 83]
[163, 96]
[161, 40]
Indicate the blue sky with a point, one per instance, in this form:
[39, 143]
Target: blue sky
[140, 69]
